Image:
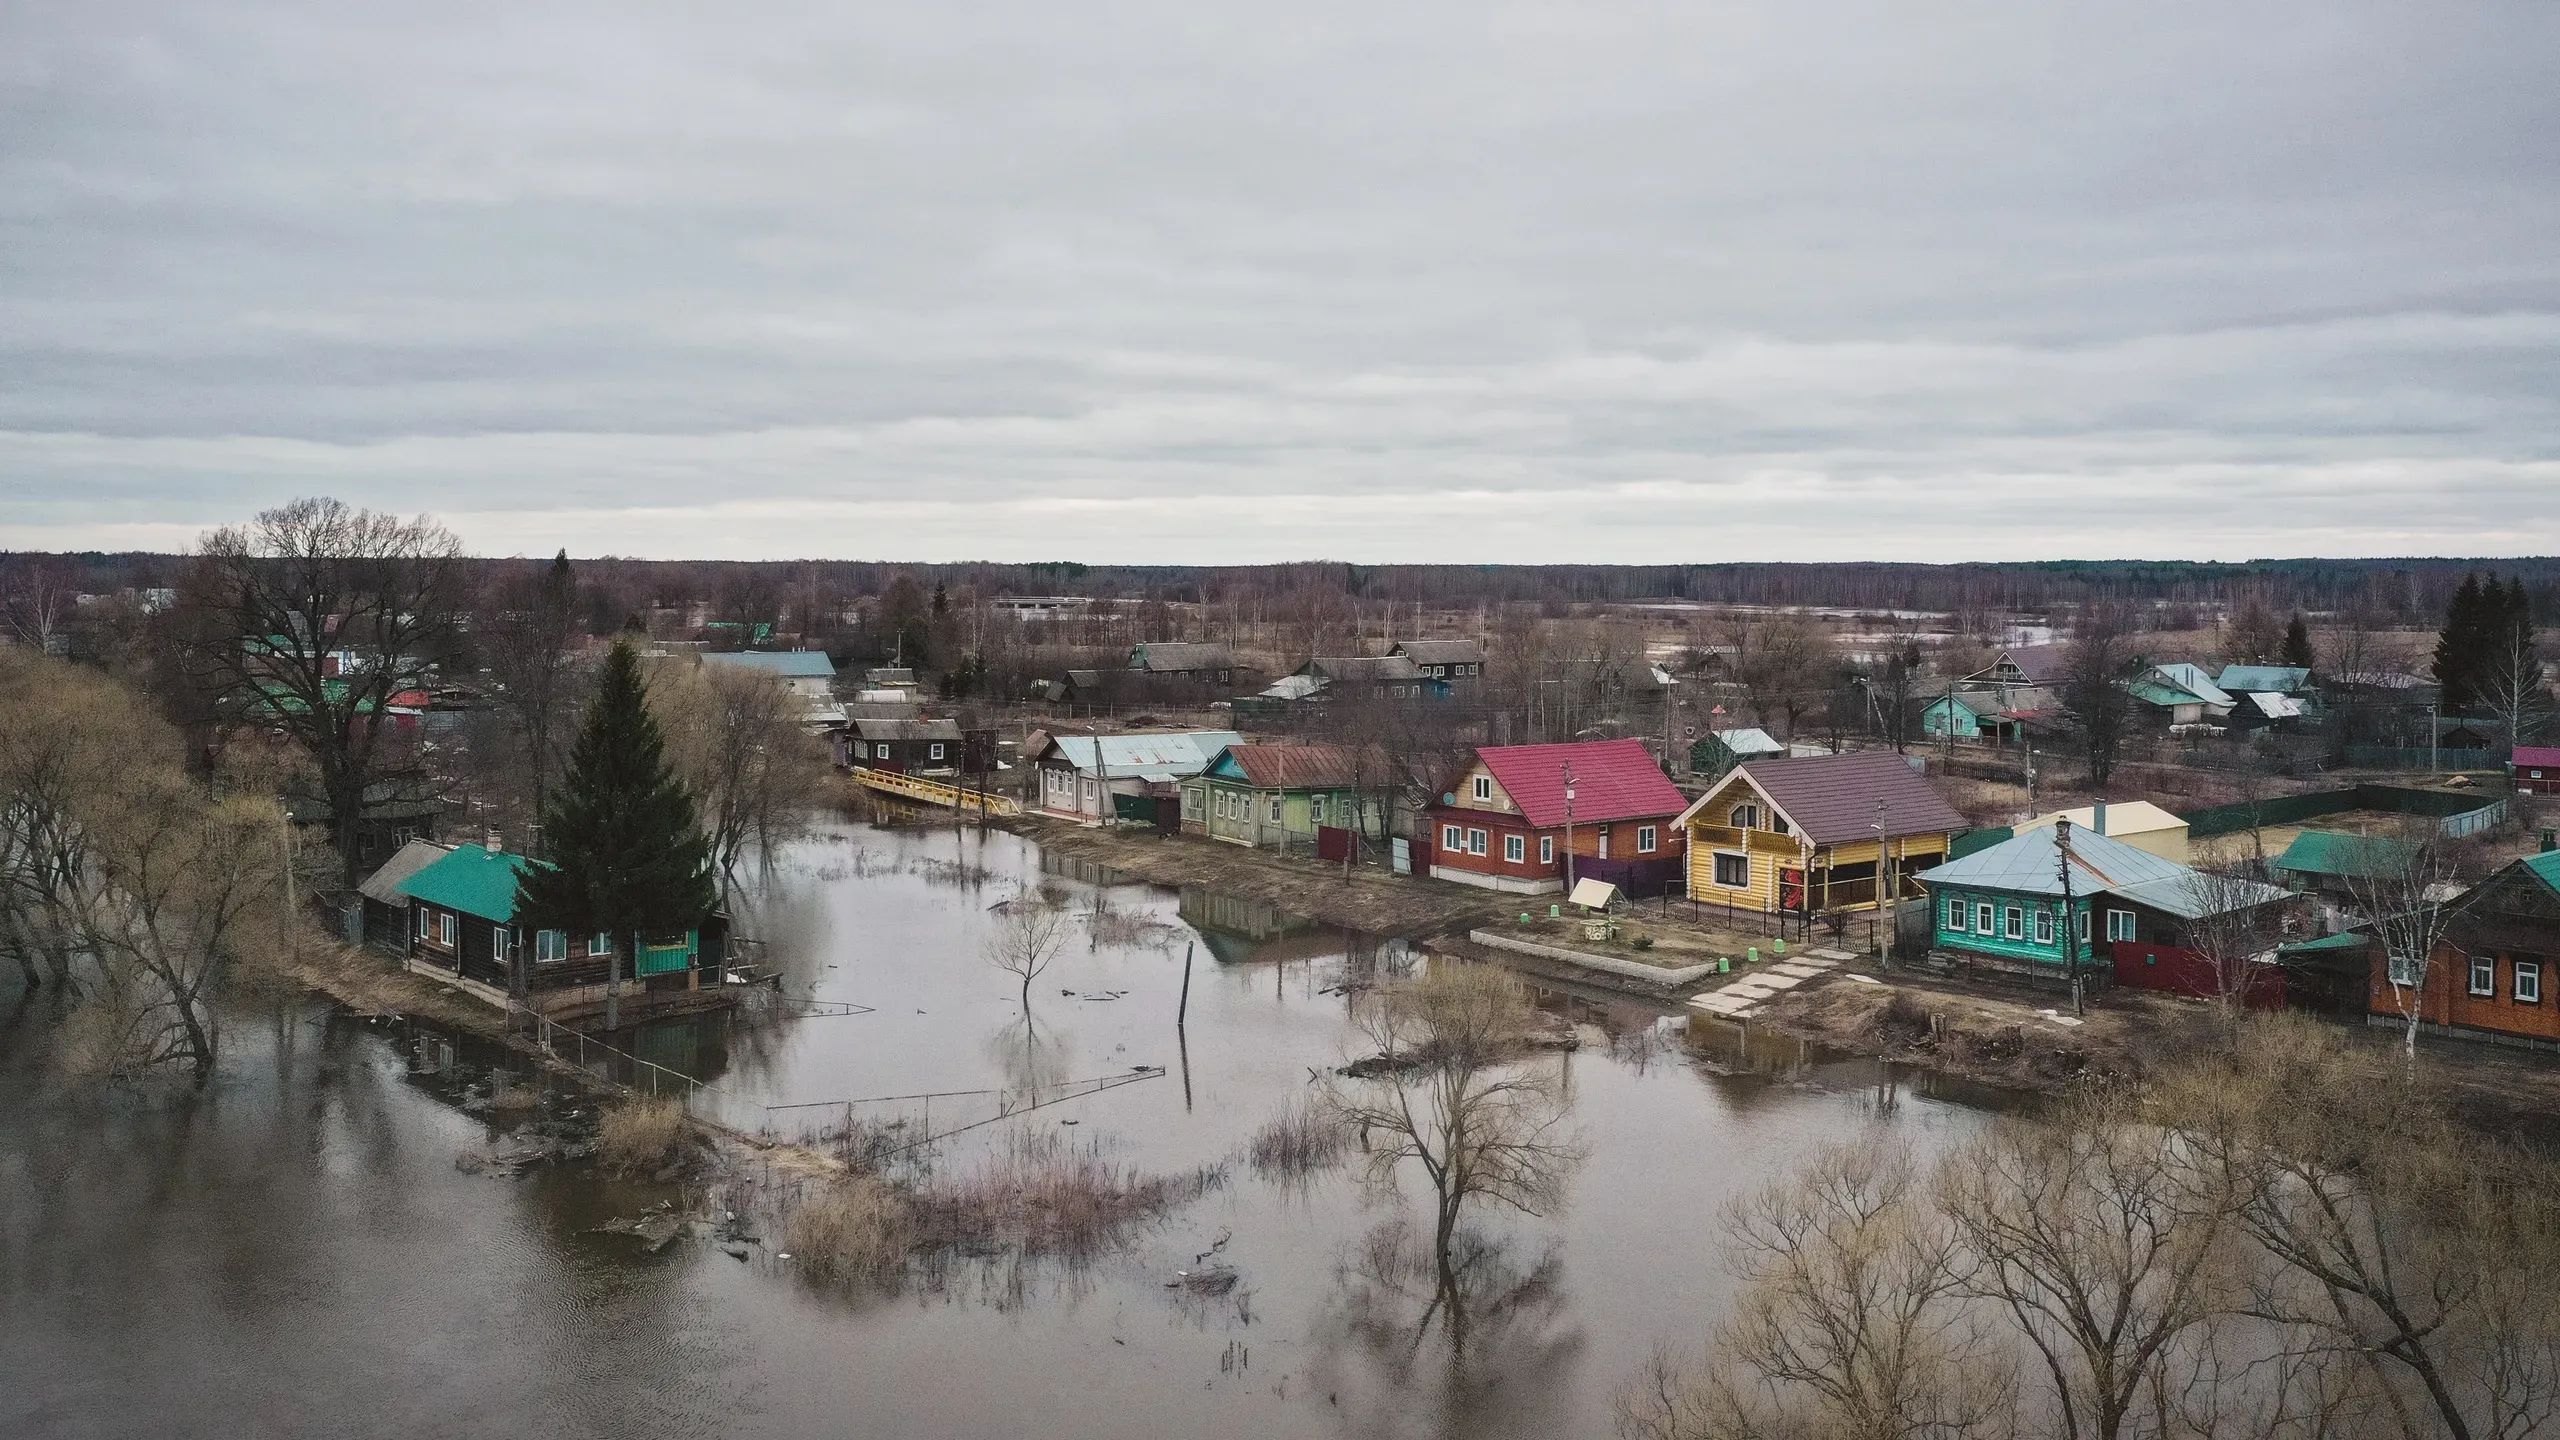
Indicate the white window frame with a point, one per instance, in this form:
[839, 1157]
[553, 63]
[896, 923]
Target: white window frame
[2119, 920]
[2044, 927]
[1315, 809]
[502, 943]
[2484, 975]
[2013, 923]
[1646, 837]
[426, 923]
[550, 947]
[1546, 849]
[1453, 839]
[2080, 924]
[1777, 823]
[1515, 849]
[1745, 816]
[2525, 984]
[1483, 789]
[448, 929]
[2402, 969]
[1959, 910]
[600, 943]
[935, 753]
[1275, 809]
[1475, 841]
[1986, 918]
[1715, 870]
[1190, 804]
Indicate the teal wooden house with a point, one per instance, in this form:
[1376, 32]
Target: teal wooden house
[1278, 796]
[2003, 907]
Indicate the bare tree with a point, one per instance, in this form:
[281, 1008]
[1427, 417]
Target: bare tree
[2235, 925]
[2095, 694]
[2511, 685]
[1853, 1319]
[322, 613]
[2103, 1244]
[37, 593]
[66, 734]
[2398, 884]
[1028, 935]
[735, 739]
[525, 638]
[1455, 1089]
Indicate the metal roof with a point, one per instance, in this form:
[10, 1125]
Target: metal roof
[1177, 656]
[1304, 767]
[2281, 679]
[908, 728]
[1172, 755]
[1837, 799]
[2124, 817]
[472, 879]
[1748, 741]
[789, 664]
[2537, 755]
[2329, 852]
[2275, 706]
[2193, 680]
[383, 885]
[1612, 780]
[2030, 863]
[1371, 668]
[1441, 652]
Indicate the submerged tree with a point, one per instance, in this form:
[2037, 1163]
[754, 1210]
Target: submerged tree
[526, 642]
[627, 856]
[734, 737]
[1027, 937]
[1455, 1089]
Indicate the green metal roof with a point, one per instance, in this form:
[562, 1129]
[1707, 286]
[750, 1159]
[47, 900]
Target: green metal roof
[2327, 852]
[473, 880]
[2545, 867]
[2344, 940]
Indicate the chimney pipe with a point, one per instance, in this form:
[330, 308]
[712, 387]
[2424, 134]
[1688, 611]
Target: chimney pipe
[491, 842]
[2098, 818]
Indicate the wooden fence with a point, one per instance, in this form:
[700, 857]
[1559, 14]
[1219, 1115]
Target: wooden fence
[934, 792]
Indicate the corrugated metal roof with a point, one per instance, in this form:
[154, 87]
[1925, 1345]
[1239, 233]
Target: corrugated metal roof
[870, 728]
[1307, 767]
[2275, 706]
[2328, 852]
[2124, 817]
[2030, 863]
[1832, 799]
[1612, 780]
[2194, 681]
[1749, 741]
[1177, 656]
[789, 664]
[383, 885]
[1172, 755]
[1366, 668]
[2532, 756]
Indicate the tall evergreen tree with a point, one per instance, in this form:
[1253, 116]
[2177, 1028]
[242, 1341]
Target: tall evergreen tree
[2297, 643]
[628, 857]
[2464, 642]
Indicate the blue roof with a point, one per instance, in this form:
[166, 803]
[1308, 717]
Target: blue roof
[472, 879]
[2263, 679]
[2193, 680]
[789, 664]
[2031, 864]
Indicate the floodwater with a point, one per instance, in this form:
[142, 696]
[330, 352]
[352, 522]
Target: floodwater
[295, 1252]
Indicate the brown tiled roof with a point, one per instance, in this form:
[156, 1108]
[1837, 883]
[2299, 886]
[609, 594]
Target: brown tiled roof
[1832, 798]
[1309, 767]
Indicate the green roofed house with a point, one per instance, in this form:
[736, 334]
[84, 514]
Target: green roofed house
[463, 931]
[1718, 751]
[2180, 694]
[2128, 915]
[1279, 796]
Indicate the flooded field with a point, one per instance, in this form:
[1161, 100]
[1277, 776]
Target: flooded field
[296, 1252]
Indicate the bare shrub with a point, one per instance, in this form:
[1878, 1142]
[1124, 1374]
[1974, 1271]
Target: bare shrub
[1027, 936]
[856, 1230]
[1045, 1196]
[1299, 1141]
[640, 1137]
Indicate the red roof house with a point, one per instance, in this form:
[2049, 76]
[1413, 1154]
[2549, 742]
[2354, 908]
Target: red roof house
[2537, 769]
[1508, 823]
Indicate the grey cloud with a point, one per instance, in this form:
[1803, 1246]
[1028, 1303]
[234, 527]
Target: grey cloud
[1433, 281]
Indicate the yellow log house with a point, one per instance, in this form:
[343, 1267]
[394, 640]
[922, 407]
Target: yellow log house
[1805, 835]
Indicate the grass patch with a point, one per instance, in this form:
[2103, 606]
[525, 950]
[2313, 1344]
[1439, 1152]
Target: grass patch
[1044, 1195]
[640, 1137]
[855, 1230]
[1307, 1137]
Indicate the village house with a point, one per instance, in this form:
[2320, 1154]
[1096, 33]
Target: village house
[907, 745]
[1178, 657]
[2339, 871]
[1810, 834]
[2129, 917]
[808, 674]
[1718, 751]
[1368, 677]
[1969, 715]
[2179, 694]
[1443, 659]
[1523, 817]
[2028, 677]
[1073, 774]
[1280, 797]
[2491, 971]
[2536, 769]
[462, 929]
[2264, 680]
[2138, 823]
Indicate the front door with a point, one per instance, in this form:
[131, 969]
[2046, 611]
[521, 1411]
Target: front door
[1791, 889]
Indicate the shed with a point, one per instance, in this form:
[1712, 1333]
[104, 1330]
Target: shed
[2138, 823]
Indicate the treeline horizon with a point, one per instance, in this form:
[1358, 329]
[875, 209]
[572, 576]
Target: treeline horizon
[2405, 587]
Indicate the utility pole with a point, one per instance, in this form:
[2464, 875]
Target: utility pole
[1884, 945]
[1569, 868]
[2070, 929]
[2435, 729]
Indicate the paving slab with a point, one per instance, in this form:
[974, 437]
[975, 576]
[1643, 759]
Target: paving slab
[1830, 953]
[1798, 972]
[1776, 981]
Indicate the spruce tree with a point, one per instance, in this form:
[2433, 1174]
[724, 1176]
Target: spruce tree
[627, 856]
[2464, 641]
[2297, 643]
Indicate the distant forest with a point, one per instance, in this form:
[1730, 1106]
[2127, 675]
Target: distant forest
[2412, 590]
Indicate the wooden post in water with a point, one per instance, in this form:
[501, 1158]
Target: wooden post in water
[1182, 1015]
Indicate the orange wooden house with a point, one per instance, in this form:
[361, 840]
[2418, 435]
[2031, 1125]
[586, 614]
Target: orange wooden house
[2491, 973]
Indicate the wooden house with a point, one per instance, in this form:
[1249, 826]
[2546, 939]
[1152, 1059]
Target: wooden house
[1816, 833]
[2536, 769]
[2025, 677]
[1369, 677]
[2128, 917]
[808, 674]
[1280, 796]
[1443, 659]
[1718, 751]
[2179, 694]
[1088, 777]
[2492, 970]
[2264, 680]
[463, 930]
[1522, 817]
[907, 746]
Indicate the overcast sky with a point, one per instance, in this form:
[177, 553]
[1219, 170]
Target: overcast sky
[1202, 282]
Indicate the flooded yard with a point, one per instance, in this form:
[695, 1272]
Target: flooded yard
[297, 1253]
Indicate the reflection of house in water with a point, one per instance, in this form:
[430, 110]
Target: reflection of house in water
[1238, 931]
[695, 1045]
